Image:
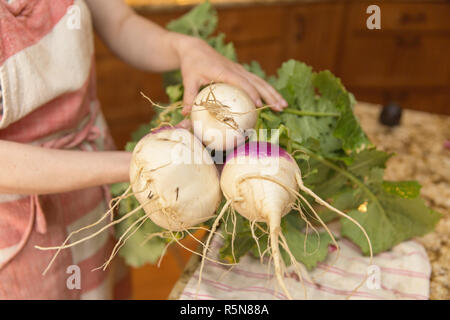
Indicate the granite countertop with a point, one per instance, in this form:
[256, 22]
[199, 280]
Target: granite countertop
[420, 155]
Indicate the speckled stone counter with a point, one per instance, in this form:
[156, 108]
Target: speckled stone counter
[420, 155]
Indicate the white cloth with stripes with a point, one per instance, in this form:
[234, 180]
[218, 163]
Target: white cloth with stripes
[401, 273]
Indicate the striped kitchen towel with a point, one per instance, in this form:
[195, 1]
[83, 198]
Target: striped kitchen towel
[402, 273]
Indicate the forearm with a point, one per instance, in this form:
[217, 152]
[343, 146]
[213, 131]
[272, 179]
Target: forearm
[133, 38]
[26, 169]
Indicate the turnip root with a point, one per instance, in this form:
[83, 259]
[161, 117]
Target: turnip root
[175, 181]
[261, 182]
[221, 115]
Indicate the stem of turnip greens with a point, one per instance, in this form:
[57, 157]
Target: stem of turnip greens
[311, 113]
[343, 172]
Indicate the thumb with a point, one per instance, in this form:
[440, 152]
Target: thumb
[190, 92]
[184, 124]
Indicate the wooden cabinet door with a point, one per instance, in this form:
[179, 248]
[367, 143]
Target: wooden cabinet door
[426, 16]
[406, 61]
[410, 50]
[251, 24]
[313, 34]
[256, 32]
[396, 60]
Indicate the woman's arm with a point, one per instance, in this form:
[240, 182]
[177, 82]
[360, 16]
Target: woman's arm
[147, 46]
[134, 39]
[26, 169]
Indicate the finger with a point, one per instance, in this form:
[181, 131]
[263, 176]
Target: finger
[283, 103]
[270, 95]
[191, 87]
[184, 124]
[241, 81]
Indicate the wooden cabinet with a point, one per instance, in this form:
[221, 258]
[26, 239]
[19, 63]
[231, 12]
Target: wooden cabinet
[395, 61]
[249, 25]
[119, 86]
[406, 61]
[313, 33]
[257, 34]
[423, 16]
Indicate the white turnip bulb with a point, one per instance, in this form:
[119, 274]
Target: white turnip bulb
[222, 116]
[175, 181]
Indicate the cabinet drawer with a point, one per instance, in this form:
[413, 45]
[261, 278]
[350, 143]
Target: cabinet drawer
[251, 24]
[396, 60]
[431, 16]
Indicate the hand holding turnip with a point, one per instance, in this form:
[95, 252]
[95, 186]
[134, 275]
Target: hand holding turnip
[200, 64]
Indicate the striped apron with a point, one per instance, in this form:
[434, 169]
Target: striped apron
[47, 79]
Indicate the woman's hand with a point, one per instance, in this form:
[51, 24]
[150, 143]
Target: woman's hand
[150, 47]
[200, 64]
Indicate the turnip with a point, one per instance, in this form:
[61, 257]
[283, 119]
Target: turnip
[261, 182]
[173, 166]
[221, 116]
[175, 181]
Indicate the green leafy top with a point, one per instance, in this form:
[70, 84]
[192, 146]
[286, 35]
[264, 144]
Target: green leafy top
[334, 127]
[200, 22]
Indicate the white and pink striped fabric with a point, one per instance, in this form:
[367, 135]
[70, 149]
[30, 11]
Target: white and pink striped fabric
[404, 273]
[47, 81]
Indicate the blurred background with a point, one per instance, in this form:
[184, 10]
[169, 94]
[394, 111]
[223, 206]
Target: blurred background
[406, 62]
